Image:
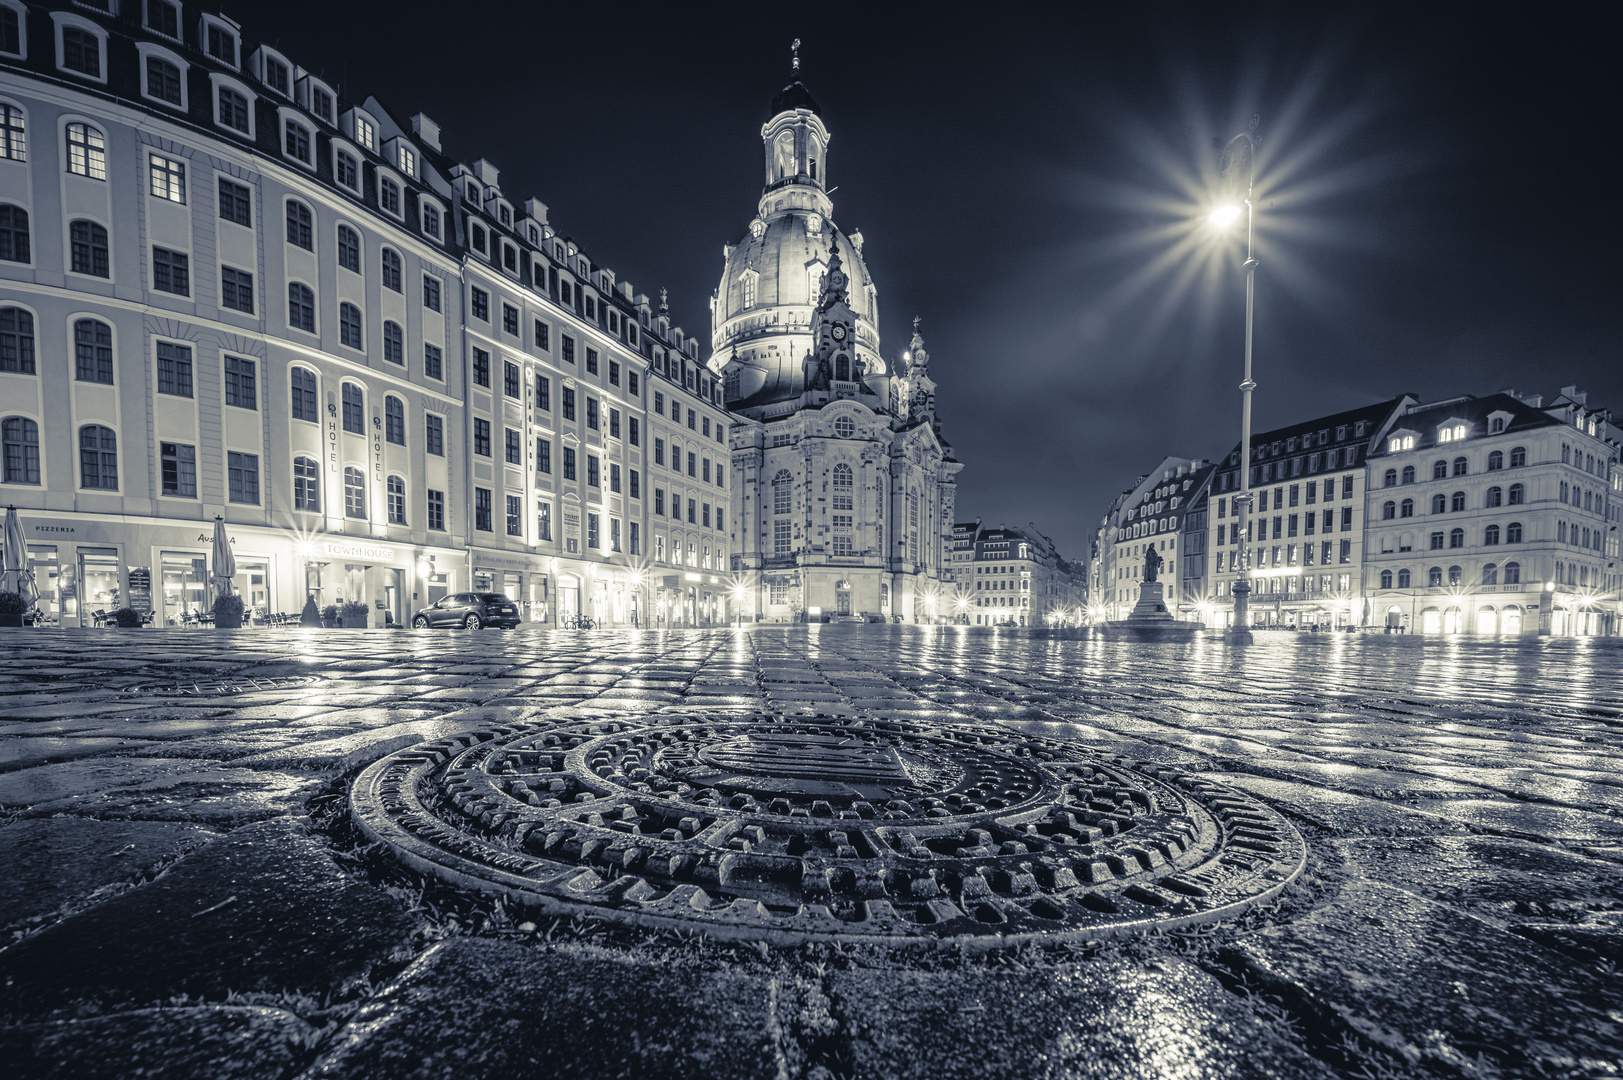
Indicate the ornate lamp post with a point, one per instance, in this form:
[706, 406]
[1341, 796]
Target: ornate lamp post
[1237, 159]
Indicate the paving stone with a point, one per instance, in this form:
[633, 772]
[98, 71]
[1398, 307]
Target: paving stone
[1532, 820]
[1435, 986]
[265, 909]
[221, 1042]
[1341, 811]
[1495, 877]
[157, 788]
[50, 862]
[472, 1009]
[19, 752]
[1109, 1018]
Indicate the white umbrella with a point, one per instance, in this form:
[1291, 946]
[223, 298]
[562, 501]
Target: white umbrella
[225, 566]
[17, 577]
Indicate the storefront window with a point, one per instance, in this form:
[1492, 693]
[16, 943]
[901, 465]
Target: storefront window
[253, 584]
[48, 580]
[538, 598]
[184, 581]
[484, 579]
[512, 587]
[354, 583]
[98, 573]
[314, 572]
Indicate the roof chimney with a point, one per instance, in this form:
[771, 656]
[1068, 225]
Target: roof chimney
[487, 173]
[427, 131]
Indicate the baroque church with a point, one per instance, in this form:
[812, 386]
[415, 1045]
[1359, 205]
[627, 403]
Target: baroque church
[844, 485]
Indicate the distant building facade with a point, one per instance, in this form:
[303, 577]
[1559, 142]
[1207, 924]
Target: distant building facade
[1152, 514]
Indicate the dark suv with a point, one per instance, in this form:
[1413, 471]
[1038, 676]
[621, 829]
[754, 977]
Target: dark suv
[469, 610]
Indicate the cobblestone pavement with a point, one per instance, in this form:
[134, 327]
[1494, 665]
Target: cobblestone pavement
[182, 895]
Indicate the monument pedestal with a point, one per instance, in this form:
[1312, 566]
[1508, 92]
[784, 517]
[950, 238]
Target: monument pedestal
[1150, 618]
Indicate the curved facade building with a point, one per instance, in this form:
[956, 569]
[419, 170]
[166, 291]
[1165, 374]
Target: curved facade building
[227, 291]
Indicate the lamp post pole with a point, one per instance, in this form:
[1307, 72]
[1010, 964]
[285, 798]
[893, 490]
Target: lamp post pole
[1246, 142]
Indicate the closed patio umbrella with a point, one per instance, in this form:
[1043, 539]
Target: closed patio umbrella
[17, 577]
[225, 566]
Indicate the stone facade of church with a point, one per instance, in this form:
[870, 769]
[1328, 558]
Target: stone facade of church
[844, 486]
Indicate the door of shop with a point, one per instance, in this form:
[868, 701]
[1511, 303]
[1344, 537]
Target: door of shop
[99, 588]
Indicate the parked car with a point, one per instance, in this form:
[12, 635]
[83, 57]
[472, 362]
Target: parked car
[470, 611]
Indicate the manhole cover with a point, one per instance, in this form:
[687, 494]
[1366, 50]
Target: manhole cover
[215, 686]
[797, 830]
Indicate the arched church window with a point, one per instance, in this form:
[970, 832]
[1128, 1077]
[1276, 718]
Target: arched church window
[785, 155]
[783, 495]
[842, 368]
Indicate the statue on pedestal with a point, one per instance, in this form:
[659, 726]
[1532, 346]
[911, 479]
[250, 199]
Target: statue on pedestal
[1152, 563]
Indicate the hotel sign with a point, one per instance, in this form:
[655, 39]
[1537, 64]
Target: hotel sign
[360, 551]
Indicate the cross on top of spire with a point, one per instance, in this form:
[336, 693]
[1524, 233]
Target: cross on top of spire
[794, 51]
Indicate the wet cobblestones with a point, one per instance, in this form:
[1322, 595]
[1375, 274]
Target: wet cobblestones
[1462, 802]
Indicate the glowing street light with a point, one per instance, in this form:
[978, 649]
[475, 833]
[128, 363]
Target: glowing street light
[1236, 167]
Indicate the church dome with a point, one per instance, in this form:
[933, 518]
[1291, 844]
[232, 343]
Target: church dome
[795, 96]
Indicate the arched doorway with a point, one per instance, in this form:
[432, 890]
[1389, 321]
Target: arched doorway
[1453, 621]
[568, 597]
[1487, 621]
[1431, 621]
[1510, 621]
[1394, 617]
[842, 597]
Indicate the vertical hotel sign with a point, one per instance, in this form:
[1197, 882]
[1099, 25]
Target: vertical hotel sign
[332, 434]
[380, 497]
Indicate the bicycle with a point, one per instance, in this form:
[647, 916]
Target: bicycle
[578, 622]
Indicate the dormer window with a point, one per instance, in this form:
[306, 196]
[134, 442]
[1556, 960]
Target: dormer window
[748, 279]
[276, 76]
[1398, 443]
[297, 141]
[535, 236]
[163, 17]
[476, 238]
[431, 220]
[321, 103]
[473, 194]
[346, 170]
[1496, 424]
[505, 215]
[219, 42]
[1360, 427]
[1451, 433]
[366, 133]
[406, 159]
[389, 195]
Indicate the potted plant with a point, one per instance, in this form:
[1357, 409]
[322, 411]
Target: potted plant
[329, 615]
[128, 617]
[12, 606]
[227, 611]
[354, 614]
[309, 616]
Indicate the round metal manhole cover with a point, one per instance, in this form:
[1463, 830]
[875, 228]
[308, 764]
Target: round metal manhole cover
[791, 830]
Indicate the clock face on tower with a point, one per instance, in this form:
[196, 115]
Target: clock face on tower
[839, 333]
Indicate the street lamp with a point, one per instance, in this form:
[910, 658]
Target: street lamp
[1237, 157]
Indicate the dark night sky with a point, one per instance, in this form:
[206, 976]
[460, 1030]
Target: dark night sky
[1436, 214]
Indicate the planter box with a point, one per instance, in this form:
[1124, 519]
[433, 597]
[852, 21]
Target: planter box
[228, 622]
[353, 622]
[11, 618]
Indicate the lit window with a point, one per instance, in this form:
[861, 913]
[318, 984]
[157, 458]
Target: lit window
[407, 161]
[168, 179]
[365, 133]
[13, 134]
[87, 152]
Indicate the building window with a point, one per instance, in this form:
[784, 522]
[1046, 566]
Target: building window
[569, 403]
[306, 485]
[1456, 538]
[93, 351]
[481, 367]
[1513, 573]
[221, 44]
[163, 80]
[543, 455]
[171, 272]
[1518, 493]
[394, 420]
[297, 141]
[1403, 579]
[389, 195]
[593, 478]
[242, 477]
[431, 220]
[299, 226]
[1434, 577]
[354, 410]
[614, 476]
[179, 468]
[81, 51]
[1513, 533]
[782, 539]
[594, 539]
[397, 500]
[436, 510]
[431, 292]
[514, 446]
[481, 509]
[349, 326]
[391, 270]
[433, 362]
[543, 393]
[349, 249]
[481, 304]
[321, 103]
[14, 246]
[1455, 575]
[98, 458]
[276, 75]
[569, 463]
[1437, 540]
[782, 492]
[1518, 458]
[235, 204]
[174, 369]
[1490, 535]
[241, 388]
[346, 170]
[543, 522]
[481, 437]
[1405, 509]
[515, 515]
[1461, 467]
[614, 423]
[1439, 503]
[1386, 579]
[634, 433]
[13, 127]
[568, 349]
[1389, 510]
[434, 435]
[163, 17]
[510, 379]
[301, 307]
[510, 319]
[542, 333]
[394, 343]
[87, 152]
[20, 438]
[168, 179]
[636, 484]
[237, 290]
[233, 110]
[1496, 497]
[354, 493]
[1496, 460]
